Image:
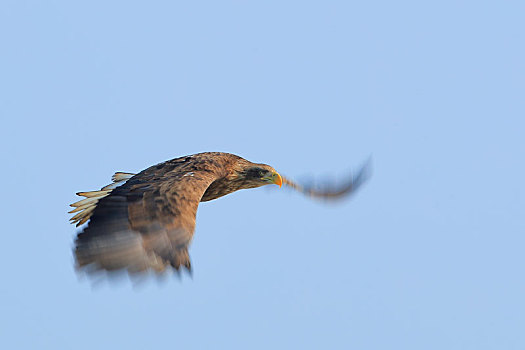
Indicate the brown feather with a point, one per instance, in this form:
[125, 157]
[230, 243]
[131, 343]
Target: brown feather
[350, 186]
[146, 221]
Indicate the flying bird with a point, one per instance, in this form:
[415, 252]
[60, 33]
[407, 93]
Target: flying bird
[145, 221]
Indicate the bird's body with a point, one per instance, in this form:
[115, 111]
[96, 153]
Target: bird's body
[146, 221]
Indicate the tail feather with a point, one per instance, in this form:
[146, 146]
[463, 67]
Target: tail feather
[86, 206]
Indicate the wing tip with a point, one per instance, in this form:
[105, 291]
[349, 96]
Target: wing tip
[365, 172]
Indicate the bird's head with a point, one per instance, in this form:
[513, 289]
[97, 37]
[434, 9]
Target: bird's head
[256, 175]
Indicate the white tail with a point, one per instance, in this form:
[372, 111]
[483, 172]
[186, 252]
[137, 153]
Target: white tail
[84, 208]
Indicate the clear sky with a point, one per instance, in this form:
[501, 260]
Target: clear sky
[428, 255]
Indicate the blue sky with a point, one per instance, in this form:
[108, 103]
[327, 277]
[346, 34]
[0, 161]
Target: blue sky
[429, 255]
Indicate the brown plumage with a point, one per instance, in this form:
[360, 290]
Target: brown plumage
[146, 221]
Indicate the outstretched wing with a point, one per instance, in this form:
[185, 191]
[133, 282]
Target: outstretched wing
[349, 187]
[146, 223]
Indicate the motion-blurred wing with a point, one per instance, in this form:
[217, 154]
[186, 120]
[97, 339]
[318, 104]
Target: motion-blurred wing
[146, 223]
[349, 187]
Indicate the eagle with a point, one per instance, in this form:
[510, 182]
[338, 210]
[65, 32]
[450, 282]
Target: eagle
[145, 222]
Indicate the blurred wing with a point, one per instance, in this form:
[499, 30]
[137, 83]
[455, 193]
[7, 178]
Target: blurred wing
[146, 223]
[349, 187]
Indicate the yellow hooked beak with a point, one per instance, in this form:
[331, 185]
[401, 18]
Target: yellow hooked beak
[275, 178]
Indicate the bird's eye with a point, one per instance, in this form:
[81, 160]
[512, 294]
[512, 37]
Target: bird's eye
[255, 173]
